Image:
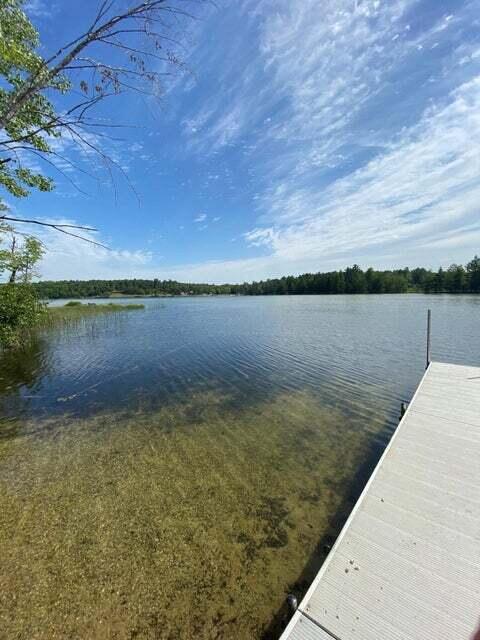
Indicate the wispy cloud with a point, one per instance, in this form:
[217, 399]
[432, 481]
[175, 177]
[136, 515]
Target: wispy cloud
[363, 144]
[421, 189]
[70, 258]
[40, 8]
[347, 130]
[314, 66]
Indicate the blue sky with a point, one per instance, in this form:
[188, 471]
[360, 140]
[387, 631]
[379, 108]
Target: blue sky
[310, 135]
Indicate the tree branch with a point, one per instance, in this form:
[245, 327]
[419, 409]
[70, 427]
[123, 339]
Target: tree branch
[59, 227]
[146, 11]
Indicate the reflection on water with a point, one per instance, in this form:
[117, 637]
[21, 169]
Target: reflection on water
[20, 371]
[173, 473]
[241, 346]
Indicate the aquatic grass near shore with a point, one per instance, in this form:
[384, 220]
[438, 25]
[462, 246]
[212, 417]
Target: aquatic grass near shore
[76, 306]
[58, 317]
[76, 310]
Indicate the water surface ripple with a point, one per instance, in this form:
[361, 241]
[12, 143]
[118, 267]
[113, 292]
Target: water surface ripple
[199, 452]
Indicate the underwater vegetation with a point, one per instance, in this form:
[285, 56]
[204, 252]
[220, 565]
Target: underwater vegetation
[194, 520]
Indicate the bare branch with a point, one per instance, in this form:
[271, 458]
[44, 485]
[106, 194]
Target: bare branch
[104, 28]
[105, 7]
[59, 227]
[44, 158]
[47, 224]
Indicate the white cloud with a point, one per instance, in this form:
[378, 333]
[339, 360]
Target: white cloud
[422, 195]
[67, 257]
[424, 186]
[300, 90]
[40, 9]
[319, 61]
[318, 69]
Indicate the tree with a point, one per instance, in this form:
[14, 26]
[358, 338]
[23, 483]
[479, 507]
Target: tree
[455, 279]
[124, 49]
[20, 258]
[418, 277]
[473, 270]
[439, 284]
[19, 310]
[19, 305]
[23, 124]
[355, 281]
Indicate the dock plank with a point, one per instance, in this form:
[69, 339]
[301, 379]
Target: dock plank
[406, 566]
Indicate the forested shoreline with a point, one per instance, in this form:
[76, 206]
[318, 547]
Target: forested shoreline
[455, 279]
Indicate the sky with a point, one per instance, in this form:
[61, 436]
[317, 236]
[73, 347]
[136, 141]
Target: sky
[306, 135]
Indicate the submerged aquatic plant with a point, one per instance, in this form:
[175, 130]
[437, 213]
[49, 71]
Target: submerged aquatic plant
[106, 521]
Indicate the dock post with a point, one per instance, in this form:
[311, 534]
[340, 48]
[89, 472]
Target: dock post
[429, 335]
[403, 408]
[292, 603]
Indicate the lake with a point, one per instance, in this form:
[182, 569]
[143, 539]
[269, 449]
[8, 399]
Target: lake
[175, 472]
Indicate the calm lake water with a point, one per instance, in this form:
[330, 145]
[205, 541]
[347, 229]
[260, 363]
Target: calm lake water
[175, 472]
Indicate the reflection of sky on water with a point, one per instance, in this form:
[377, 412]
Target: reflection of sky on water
[351, 350]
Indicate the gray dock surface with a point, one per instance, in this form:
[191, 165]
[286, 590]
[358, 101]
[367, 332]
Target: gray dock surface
[406, 565]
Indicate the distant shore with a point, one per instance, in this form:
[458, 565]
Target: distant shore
[351, 280]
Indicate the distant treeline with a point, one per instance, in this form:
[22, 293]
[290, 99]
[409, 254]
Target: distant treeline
[455, 279]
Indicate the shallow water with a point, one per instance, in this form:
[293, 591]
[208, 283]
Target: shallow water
[174, 472]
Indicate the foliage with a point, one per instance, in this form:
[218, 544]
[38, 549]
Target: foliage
[127, 47]
[20, 258]
[20, 310]
[19, 305]
[473, 271]
[456, 279]
[30, 125]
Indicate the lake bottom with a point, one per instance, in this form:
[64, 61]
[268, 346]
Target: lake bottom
[194, 520]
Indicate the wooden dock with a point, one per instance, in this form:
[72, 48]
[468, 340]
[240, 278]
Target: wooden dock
[406, 565]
